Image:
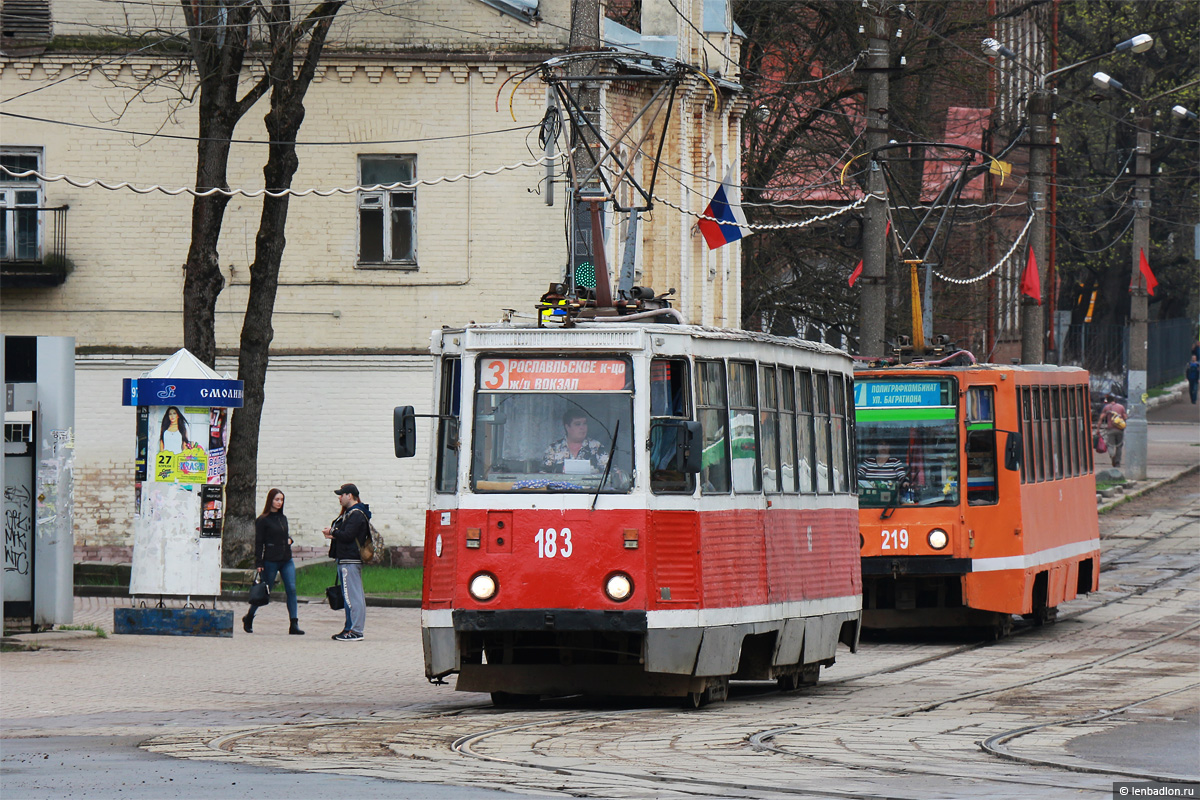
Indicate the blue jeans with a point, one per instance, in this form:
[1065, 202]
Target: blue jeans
[288, 570]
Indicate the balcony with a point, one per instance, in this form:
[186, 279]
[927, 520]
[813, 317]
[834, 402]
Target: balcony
[33, 247]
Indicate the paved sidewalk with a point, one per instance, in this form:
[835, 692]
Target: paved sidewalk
[1172, 445]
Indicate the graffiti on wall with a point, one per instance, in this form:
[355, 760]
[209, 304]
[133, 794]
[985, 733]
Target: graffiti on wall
[18, 528]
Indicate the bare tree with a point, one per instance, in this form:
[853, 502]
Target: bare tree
[219, 38]
[295, 51]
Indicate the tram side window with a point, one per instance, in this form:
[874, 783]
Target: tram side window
[1035, 428]
[837, 434]
[769, 427]
[1085, 429]
[1024, 430]
[821, 420]
[713, 415]
[1048, 454]
[669, 403]
[981, 447]
[787, 430]
[1068, 427]
[743, 426]
[805, 437]
[1056, 418]
[449, 399]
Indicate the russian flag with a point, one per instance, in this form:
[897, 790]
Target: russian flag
[728, 223]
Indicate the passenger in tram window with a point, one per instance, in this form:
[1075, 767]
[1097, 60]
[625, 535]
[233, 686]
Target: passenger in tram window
[981, 468]
[575, 453]
[883, 468]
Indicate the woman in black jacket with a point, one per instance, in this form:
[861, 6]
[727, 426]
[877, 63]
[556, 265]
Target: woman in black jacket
[273, 555]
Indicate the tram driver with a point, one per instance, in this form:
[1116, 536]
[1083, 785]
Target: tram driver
[575, 453]
[883, 470]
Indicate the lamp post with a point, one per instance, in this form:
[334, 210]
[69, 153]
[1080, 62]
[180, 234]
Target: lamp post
[1037, 109]
[1135, 367]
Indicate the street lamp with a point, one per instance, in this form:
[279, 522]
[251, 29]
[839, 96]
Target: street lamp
[1037, 110]
[1135, 367]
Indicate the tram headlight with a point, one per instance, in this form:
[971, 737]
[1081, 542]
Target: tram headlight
[483, 586]
[618, 587]
[938, 539]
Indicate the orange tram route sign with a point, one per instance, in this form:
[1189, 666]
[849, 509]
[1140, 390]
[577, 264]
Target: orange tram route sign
[554, 374]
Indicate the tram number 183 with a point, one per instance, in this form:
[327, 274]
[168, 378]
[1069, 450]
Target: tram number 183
[551, 543]
[895, 540]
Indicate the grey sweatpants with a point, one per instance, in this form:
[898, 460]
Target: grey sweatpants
[352, 592]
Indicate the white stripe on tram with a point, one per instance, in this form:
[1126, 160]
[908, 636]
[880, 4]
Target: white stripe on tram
[1035, 559]
[707, 617]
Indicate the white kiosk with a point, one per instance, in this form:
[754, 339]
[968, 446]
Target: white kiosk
[183, 410]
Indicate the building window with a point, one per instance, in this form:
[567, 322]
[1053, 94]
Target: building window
[387, 218]
[21, 200]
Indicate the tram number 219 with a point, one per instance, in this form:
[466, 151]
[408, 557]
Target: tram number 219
[551, 543]
[895, 540]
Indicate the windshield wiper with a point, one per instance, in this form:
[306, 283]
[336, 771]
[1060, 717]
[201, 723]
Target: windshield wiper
[612, 451]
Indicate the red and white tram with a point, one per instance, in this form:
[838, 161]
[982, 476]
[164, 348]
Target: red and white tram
[622, 508]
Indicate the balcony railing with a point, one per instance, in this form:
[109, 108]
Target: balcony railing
[33, 247]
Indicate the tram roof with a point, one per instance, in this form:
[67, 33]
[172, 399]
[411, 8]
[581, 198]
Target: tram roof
[587, 329]
[924, 366]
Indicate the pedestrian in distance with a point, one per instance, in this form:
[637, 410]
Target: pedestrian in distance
[1112, 423]
[273, 556]
[1192, 373]
[346, 534]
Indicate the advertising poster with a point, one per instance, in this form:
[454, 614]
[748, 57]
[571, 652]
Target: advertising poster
[139, 464]
[177, 444]
[212, 511]
[218, 441]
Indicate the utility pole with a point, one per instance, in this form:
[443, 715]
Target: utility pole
[1135, 376]
[872, 308]
[1033, 329]
[587, 239]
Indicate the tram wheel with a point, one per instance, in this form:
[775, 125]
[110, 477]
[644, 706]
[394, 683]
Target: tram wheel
[788, 683]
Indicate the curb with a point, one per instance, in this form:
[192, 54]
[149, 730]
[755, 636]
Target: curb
[1147, 486]
[244, 597]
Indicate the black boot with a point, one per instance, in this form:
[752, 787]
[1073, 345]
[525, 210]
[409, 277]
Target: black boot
[295, 628]
[248, 621]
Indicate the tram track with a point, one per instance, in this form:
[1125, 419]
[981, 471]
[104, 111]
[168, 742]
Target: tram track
[581, 752]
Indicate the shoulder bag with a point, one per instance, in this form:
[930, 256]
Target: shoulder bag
[260, 592]
[333, 594]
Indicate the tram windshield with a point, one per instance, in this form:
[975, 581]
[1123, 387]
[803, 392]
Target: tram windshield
[553, 425]
[907, 443]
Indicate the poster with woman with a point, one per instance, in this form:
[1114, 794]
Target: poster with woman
[218, 440]
[176, 454]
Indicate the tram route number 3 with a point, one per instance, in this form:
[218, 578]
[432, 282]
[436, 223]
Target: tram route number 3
[551, 543]
[895, 540]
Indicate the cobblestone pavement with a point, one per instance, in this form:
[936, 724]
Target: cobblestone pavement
[897, 719]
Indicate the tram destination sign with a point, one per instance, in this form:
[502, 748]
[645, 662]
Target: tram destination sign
[898, 394]
[553, 374]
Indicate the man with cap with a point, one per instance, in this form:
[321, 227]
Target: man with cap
[346, 533]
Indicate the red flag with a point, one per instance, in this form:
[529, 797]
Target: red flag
[857, 273]
[1144, 266]
[1031, 285]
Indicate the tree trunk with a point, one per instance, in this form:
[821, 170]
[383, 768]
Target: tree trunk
[202, 280]
[283, 124]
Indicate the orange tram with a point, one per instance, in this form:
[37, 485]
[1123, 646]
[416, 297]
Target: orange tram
[636, 508]
[976, 493]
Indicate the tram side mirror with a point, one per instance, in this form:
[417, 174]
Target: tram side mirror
[690, 447]
[1012, 450]
[404, 431]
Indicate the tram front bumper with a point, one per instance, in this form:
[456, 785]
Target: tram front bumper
[915, 565]
[555, 619]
